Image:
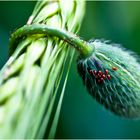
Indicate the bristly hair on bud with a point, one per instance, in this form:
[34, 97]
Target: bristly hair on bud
[112, 76]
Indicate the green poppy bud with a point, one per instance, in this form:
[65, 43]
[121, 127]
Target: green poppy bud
[111, 75]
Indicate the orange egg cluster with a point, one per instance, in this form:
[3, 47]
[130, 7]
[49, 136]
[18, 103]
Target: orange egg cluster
[100, 76]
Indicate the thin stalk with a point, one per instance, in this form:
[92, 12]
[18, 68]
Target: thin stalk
[83, 47]
[47, 97]
[56, 116]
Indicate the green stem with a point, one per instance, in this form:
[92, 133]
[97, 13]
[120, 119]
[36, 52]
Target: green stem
[83, 47]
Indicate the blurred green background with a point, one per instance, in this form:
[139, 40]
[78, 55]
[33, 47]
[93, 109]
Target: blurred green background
[81, 116]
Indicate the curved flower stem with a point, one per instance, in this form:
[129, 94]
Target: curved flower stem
[83, 47]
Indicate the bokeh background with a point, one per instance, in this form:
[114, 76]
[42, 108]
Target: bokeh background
[81, 116]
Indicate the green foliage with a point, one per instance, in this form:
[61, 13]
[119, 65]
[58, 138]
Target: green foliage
[117, 21]
[35, 69]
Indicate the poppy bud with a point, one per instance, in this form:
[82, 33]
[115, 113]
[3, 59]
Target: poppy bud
[118, 90]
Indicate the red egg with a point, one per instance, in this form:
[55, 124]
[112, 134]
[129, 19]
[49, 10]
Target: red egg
[101, 79]
[100, 72]
[94, 72]
[106, 71]
[109, 77]
[103, 76]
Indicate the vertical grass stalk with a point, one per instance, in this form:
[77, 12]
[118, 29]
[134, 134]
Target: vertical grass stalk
[30, 91]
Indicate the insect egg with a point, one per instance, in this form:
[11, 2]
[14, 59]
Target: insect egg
[99, 72]
[114, 68]
[103, 76]
[95, 72]
[106, 71]
[109, 77]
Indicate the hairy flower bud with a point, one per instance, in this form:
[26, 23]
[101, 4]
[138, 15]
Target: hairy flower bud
[111, 75]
